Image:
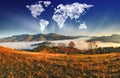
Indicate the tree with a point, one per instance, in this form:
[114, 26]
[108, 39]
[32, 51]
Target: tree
[93, 47]
[72, 44]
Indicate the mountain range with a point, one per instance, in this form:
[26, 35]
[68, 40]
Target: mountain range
[36, 37]
[52, 36]
[113, 38]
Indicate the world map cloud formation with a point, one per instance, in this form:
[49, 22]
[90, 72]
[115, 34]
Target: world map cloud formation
[61, 13]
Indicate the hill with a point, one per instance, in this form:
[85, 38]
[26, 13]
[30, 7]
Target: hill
[3, 49]
[113, 38]
[45, 65]
[36, 37]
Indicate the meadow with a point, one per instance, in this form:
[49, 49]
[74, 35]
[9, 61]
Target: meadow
[21, 64]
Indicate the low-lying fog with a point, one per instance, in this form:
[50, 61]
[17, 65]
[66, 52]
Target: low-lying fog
[80, 44]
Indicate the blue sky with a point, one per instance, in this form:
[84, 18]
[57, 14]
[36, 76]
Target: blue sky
[102, 19]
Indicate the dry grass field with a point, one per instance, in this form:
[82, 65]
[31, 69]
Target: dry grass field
[21, 64]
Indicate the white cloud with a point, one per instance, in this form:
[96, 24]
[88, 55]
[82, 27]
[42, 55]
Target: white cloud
[60, 19]
[75, 10]
[40, 2]
[72, 11]
[47, 3]
[43, 24]
[37, 8]
[83, 26]
[61, 14]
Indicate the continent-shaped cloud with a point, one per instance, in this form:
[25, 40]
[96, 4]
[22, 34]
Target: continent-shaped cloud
[72, 11]
[43, 24]
[83, 26]
[36, 10]
[61, 14]
[47, 3]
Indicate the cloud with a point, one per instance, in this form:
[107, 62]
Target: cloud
[61, 14]
[60, 19]
[47, 3]
[83, 26]
[43, 24]
[72, 11]
[37, 8]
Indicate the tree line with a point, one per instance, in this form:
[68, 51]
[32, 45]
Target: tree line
[70, 49]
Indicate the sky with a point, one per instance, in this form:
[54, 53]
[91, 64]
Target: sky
[67, 17]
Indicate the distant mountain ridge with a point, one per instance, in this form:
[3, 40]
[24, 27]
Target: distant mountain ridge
[113, 38]
[36, 37]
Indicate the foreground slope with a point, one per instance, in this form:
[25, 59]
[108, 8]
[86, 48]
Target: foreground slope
[16, 64]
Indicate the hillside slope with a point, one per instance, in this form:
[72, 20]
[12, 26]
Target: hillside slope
[3, 49]
[44, 65]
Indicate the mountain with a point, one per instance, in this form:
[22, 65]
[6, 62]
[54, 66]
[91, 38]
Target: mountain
[36, 37]
[113, 38]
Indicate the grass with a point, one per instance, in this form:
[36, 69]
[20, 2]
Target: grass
[18, 64]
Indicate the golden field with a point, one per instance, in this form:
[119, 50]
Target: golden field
[21, 64]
